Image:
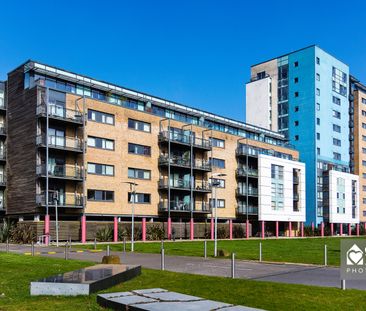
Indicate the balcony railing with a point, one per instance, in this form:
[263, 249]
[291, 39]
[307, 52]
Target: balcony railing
[244, 192]
[202, 165]
[296, 180]
[65, 200]
[185, 139]
[3, 180]
[2, 129]
[2, 103]
[61, 171]
[250, 210]
[59, 112]
[202, 186]
[174, 160]
[296, 197]
[61, 142]
[243, 172]
[180, 206]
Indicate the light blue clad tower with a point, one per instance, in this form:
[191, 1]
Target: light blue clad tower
[305, 96]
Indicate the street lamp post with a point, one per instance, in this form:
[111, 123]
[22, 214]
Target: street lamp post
[215, 184]
[55, 199]
[133, 193]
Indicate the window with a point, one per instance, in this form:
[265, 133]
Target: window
[318, 77]
[318, 92]
[296, 80]
[100, 169]
[336, 114]
[296, 64]
[296, 123]
[139, 125]
[336, 142]
[364, 188]
[339, 81]
[336, 101]
[101, 143]
[364, 175]
[364, 150]
[317, 136]
[217, 162]
[100, 195]
[139, 198]
[363, 100]
[318, 151]
[139, 149]
[363, 113]
[317, 121]
[296, 108]
[220, 203]
[296, 94]
[219, 183]
[217, 142]
[336, 128]
[296, 137]
[318, 61]
[363, 125]
[336, 156]
[317, 106]
[100, 117]
[261, 75]
[363, 163]
[139, 173]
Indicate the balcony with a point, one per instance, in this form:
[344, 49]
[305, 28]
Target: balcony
[71, 172]
[2, 181]
[296, 180]
[2, 104]
[243, 210]
[174, 161]
[243, 172]
[296, 197]
[202, 165]
[245, 192]
[2, 130]
[180, 184]
[202, 143]
[60, 113]
[61, 143]
[3, 155]
[184, 207]
[244, 151]
[184, 139]
[72, 200]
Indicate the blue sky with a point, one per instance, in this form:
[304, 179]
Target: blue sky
[194, 52]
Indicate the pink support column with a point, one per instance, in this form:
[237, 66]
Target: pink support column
[143, 223]
[230, 229]
[277, 229]
[191, 225]
[331, 229]
[290, 229]
[47, 229]
[341, 229]
[358, 229]
[302, 229]
[247, 229]
[312, 227]
[263, 233]
[349, 230]
[115, 229]
[212, 228]
[83, 229]
[322, 229]
[169, 228]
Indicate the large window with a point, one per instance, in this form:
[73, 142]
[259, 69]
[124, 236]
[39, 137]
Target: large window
[100, 117]
[336, 100]
[139, 173]
[336, 128]
[101, 143]
[336, 114]
[339, 83]
[101, 169]
[220, 203]
[277, 187]
[139, 125]
[139, 198]
[219, 183]
[217, 162]
[220, 143]
[336, 142]
[100, 195]
[139, 149]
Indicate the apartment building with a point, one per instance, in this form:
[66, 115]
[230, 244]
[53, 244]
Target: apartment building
[2, 148]
[305, 96]
[82, 142]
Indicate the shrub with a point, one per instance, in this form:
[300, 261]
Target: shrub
[104, 234]
[22, 233]
[222, 232]
[126, 233]
[223, 253]
[238, 232]
[5, 229]
[155, 233]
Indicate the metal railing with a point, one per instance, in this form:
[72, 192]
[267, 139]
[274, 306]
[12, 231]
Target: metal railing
[181, 206]
[61, 142]
[250, 191]
[243, 209]
[202, 165]
[242, 172]
[185, 139]
[2, 129]
[2, 103]
[174, 183]
[2, 180]
[66, 199]
[174, 160]
[60, 112]
[66, 171]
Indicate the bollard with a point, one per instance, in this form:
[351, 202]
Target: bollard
[205, 249]
[260, 251]
[233, 265]
[32, 248]
[66, 251]
[95, 243]
[343, 284]
[325, 255]
[7, 245]
[124, 245]
[108, 251]
[162, 259]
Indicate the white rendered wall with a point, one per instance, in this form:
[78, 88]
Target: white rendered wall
[258, 103]
[345, 218]
[265, 211]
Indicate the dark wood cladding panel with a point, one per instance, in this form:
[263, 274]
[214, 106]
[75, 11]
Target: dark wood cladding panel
[21, 145]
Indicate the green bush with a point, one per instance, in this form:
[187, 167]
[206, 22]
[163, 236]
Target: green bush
[104, 234]
[238, 232]
[222, 232]
[5, 229]
[126, 233]
[22, 233]
[155, 232]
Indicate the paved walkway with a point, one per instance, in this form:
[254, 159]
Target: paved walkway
[283, 273]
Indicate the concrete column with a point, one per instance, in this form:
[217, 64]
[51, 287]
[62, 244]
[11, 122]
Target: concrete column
[302, 229]
[191, 226]
[47, 229]
[290, 229]
[322, 229]
[276, 229]
[247, 229]
[263, 233]
[212, 228]
[341, 229]
[143, 224]
[169, 228]
[83, 229]
[230, 229]
[115, 229]
[331, 229]
[349, 230]
[358, 229]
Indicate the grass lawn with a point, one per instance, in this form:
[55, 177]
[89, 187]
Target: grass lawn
[307, 250]
[16, 272]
